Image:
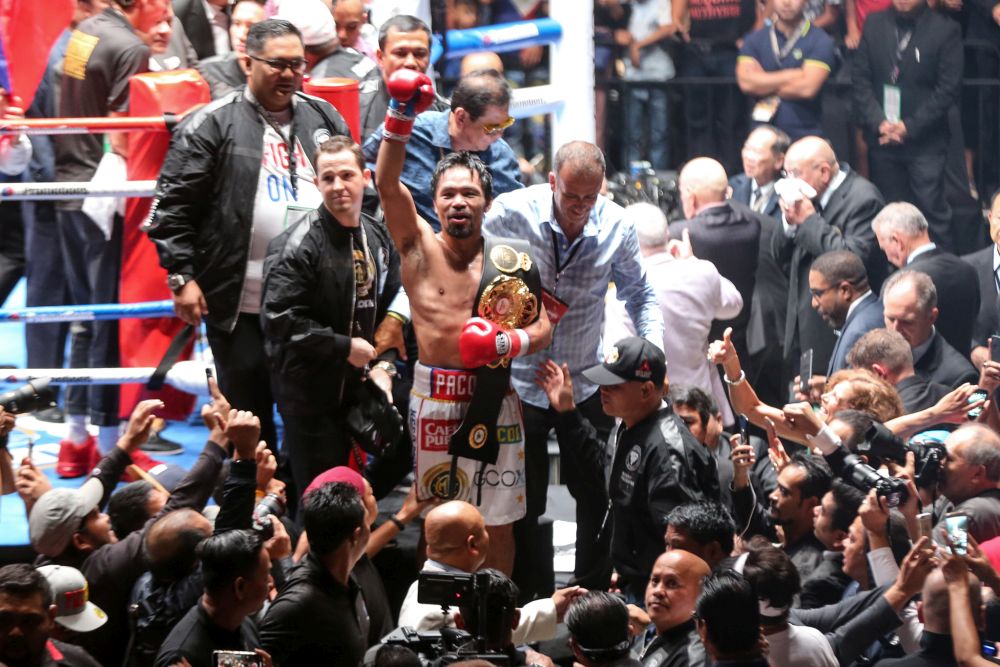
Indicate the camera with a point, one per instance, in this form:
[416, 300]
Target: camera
[928, 452]
[853, 470]
[36, 395]
[268, 505]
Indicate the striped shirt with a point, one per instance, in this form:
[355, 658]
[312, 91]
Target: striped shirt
[607, 250]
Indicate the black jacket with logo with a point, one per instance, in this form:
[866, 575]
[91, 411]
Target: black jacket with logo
[656, 466]
[308, 307]
[202, 219]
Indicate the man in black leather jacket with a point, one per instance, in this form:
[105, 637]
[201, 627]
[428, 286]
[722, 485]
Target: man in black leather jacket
[223, 194]
[328, 280]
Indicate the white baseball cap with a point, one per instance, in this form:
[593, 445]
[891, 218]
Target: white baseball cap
[72, 599]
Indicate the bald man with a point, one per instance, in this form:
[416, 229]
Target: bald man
[479, 61]
[673, 589]
[839, 218]
[353, 29]
[458, 543]
[723, 232]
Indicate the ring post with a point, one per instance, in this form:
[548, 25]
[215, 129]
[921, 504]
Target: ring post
[142, 342]
[572, 72]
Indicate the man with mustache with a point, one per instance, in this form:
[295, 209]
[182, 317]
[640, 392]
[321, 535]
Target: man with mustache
[223, 195]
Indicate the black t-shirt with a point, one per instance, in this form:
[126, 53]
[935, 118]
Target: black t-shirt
[721, 21]
[195, 637]
[365, 285]
[102, 55]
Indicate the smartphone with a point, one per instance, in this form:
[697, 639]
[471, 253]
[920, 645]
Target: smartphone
[978, 395]
[956, 525]
[989, 650]
[805, 371]
[744, 424]
[236, 659]
[208, 379]
[994, 348]
[926, 523]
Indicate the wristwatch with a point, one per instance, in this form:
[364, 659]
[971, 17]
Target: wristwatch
[387, 366]
[176, 281]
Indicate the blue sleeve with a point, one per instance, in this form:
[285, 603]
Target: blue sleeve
[635, 289]
[506, 172]
[751, 47]
[822, 51]
[371, 146]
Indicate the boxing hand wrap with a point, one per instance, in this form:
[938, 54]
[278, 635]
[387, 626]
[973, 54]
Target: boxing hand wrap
[411, 92]
[483, 342]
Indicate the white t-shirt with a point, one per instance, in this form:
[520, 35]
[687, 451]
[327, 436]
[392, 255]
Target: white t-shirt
[800, 646]
[274, 196]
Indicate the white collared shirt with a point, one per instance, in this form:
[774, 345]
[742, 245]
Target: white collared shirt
[219, 21]
[927, 247]
[920, 350]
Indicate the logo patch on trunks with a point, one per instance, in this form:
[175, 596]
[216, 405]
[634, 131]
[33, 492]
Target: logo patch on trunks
[435, 480]
[435, 434]
[478, 436]
[509, 434]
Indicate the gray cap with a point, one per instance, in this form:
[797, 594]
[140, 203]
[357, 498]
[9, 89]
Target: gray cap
[59, 513]
[72, 599]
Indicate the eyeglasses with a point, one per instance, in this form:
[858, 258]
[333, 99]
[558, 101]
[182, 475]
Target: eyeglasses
[297, 65]
[496, 128]
[818, 293]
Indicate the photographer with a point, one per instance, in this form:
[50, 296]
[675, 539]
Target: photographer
[502, 616]
[458, 543]
[970, 477]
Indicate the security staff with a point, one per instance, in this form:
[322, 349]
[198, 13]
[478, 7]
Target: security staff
[654, 463]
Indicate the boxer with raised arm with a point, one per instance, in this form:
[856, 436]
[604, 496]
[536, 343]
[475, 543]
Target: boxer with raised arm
[468, 326]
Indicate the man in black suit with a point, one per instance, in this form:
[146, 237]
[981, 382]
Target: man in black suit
[887, 354]
[986, 263]
[723, 232]
[208, 31]
[841, 295]
[909, 302]
[907, 75]
[903, 235]
[839, 219]
[763, 159]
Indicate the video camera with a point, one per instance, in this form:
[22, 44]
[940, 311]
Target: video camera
[35, 395]
[449, 644]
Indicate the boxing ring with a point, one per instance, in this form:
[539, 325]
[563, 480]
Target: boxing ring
[158, 101]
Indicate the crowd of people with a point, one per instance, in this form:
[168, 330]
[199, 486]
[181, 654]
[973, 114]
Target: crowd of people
[776, 416]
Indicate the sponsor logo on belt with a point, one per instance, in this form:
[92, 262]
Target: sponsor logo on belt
[510, 479]
[452, 386]
[435, 434]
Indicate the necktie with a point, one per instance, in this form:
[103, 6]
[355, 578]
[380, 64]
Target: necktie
[996, 278]
[759, 201]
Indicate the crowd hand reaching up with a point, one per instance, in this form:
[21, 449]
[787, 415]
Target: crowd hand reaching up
[975, 561]
[214, 414]
[556, 382]
[775, 450]
[279, 546]
[31, 484]
[681, 249]
[243, 430]
[412, 507]
[913, 571]
[564, 597]
[953, 408]
[267, 466]
[802, 418]
[7, 421]
[743, 459]
[137, 431]
[722, 351]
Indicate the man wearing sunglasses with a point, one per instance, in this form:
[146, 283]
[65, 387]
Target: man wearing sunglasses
[223, 193]
[475, 123]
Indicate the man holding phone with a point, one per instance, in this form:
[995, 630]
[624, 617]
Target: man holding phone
[969, 479]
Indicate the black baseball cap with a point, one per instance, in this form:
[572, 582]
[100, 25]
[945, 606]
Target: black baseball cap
[630, 359]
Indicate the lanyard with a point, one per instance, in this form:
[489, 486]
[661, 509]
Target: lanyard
[780, 55]
[289, 142]
[560, 267]
[901, 43]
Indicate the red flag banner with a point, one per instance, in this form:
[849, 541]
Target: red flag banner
[29, 28]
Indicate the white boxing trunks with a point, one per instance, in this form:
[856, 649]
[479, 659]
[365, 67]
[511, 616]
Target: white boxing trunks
[438, 403]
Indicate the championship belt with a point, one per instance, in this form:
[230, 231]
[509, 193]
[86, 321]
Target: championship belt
[509, 295]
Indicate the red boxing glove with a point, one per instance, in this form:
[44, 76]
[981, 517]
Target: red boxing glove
[412, 92]
[483, 342]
